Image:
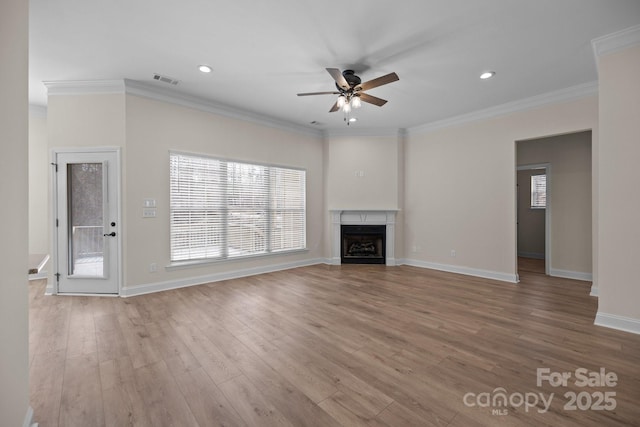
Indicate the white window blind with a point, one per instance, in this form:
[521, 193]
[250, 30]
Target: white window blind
[287, 209]
[222, 209]
[538, 191]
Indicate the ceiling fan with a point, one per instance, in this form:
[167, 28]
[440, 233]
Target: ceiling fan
[351, 90]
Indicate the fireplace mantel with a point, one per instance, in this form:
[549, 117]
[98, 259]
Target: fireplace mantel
[363, 217]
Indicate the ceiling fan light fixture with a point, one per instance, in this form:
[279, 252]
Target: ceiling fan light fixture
[205, 68]
[487, 75]
[350, 91]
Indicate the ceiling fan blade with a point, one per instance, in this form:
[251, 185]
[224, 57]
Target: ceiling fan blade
[318, 93]
[389, 78]
[339, 78]
[372, 99]
[334, 108]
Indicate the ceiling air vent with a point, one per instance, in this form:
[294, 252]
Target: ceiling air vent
[165, 79]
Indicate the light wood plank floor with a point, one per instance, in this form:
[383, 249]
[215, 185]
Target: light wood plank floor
[325, 346]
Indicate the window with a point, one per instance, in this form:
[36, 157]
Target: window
[221, 209]
[538, 191]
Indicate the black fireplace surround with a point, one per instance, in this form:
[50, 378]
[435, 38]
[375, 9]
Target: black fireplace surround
[363, 244]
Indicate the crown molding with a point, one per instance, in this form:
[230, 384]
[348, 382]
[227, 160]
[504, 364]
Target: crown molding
[616, 41]
[563, 95]
[85, 87]
[367, 132]
[166, 95]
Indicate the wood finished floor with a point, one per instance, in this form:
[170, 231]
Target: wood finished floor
[324, 346]
[531, 265]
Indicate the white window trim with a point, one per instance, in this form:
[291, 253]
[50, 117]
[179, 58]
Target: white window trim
[180, 265]
[537, 207]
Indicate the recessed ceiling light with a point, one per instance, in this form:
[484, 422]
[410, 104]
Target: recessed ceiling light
[353, 119]
[205, 68]
[487, 75]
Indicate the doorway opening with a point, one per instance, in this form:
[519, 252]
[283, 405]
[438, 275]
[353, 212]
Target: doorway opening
[554, 205]
[533, 217]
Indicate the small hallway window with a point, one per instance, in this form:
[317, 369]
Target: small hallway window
[538, 191]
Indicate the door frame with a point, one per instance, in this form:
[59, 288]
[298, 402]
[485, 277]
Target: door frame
[547, 214]
[54, 212]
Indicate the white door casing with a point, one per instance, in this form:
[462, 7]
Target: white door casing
[87, 223]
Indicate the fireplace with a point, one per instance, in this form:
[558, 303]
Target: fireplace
[385, 220]
[363, 244]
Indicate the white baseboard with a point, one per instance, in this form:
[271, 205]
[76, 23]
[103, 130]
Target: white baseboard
[129, 291]
[566, 274]
[594, 291]
[495, 275]
[533, 255]
[28, 419]
[627, 324]
[38, 276]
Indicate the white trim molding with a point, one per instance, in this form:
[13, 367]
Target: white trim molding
[52, 285]
[85, 87]
[566, 274]
[594, 291]
[37, 110]
[43, 275]
[363, 217]
[28, 419]
[563, 95]
[163, 94]
[467, 271]
[151, 91]
[130, 291]
[370, 132]
[616, 41]
[621, 323]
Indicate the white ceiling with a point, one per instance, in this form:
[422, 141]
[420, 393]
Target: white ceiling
[264, 52]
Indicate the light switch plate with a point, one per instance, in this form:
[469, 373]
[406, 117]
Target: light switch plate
[149, 203]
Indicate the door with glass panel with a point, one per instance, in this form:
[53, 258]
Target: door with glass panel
[87, 222]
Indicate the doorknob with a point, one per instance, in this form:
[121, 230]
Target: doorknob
[112, 234]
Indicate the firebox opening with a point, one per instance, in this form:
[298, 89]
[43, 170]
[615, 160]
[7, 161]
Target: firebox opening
[363, 244]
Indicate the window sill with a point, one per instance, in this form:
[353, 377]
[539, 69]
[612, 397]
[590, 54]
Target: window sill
[180, 265]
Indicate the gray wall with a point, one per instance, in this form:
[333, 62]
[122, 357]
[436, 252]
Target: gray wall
[531, 222]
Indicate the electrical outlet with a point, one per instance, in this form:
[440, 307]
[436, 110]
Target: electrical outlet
[453, 253]
[153, 267]
[149, 213]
